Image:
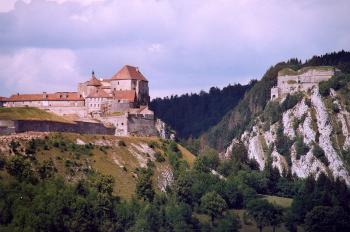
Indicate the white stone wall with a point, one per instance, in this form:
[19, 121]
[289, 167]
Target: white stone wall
[290, 84]
[80, 111]
[274, 93]
[95, 103]
[120, 122]
[45, 104]
[123, 85]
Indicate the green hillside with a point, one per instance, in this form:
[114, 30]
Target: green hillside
[75, 155]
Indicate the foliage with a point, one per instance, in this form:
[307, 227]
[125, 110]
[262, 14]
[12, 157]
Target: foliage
[20, 168]
[272, 112]
[337, 82]
[213, 204]
[327, 219]
[263, 213]
[47, 169]
[283, 144]
[208, 160]
[300, 147]
[228, 223]
[319, 154]
[290, 101]
[144, 187]
[192, 114]
[121, 143]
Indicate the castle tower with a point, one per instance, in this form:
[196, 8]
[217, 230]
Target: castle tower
[130, 78]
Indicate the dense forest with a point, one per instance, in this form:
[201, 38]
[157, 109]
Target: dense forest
[241, 116]
[33, 197]
[192, 114]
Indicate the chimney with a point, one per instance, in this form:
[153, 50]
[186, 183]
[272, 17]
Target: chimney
[44, 95]
[17, 94]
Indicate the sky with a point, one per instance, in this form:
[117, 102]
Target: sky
[179, 45]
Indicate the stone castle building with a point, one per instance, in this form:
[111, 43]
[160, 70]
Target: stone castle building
[290, 81]
[121, 101]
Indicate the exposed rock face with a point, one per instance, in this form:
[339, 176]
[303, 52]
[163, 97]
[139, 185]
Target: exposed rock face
[165, 179]
[325, 128]
[310, 120]
[163, 130]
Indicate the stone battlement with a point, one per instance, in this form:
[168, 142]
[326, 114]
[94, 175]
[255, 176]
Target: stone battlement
[290, 81]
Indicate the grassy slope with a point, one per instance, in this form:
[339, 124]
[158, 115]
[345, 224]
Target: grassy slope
[29, 113]
[104, 162]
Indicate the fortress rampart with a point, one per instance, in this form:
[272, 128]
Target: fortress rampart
[290, 81]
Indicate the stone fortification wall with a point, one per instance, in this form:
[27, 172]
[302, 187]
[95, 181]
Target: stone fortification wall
[120, 123]
[49, 126]
[80, 111]
[46, 103]
[141, 125]
[290, 81]
[121, 106]
[7, 127]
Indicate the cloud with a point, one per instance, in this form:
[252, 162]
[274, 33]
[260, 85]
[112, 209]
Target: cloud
[32, 69]
[183, 44]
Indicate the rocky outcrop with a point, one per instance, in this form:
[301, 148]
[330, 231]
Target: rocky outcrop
[325, 129]
[310, 120]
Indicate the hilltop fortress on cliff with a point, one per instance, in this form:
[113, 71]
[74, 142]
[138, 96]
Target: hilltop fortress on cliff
[290, 81]
[120, 101]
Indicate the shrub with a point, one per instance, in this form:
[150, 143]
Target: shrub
[308, 102]
[320, 154]
[152, 144]
[291, 101]
[159, 157]
[300, 147]
[272, 112]
[121, 143]
[324, 88]
[335, 108]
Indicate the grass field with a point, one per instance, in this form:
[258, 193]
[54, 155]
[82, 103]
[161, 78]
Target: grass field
[29, 113]
[281, 201]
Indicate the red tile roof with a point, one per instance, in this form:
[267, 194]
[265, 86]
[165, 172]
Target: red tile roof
[3, 98]
[129, 95]
[129, 73]
[93, 81]
[59, 96]
[99, 93]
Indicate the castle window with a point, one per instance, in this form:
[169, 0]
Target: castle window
[118, 82]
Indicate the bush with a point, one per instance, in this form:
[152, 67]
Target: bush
[159, 157]
[300, 147]
[291, 101]
[320, 154]
[335, 108]
[153, 144]
[324, 88]
[121, 143]
[272, 112]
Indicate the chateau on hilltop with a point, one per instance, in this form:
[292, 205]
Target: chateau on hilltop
[121, 101]
[290, 81]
